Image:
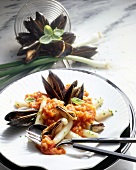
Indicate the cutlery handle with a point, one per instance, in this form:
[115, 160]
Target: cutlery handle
[104, 140]
[105, 152]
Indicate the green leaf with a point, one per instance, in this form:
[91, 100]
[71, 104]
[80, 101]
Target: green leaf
[48, 30]
[77, 100]
[29, 99]
[55, 37]
[58, 32]
[45, 39]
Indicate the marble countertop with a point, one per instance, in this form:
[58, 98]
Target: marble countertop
[114, 19]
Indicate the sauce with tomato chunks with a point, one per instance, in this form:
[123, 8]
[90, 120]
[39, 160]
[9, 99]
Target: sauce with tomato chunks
[85, 114]
[48, 147]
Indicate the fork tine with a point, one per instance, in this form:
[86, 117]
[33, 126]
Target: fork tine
[33, 134]
[33, 137]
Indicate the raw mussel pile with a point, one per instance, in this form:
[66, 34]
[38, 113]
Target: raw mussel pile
[60, 46]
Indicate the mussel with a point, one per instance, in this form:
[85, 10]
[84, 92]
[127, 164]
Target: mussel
[56, 48]
[51, 130]
[69, 115]
[59, 22]
[84, 51]
[97, 127]
[56, 89]
[21, 117]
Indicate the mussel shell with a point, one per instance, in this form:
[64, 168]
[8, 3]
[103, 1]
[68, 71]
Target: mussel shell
[67, 51]
[66, 113]
[25, 38]
[50, 91]
[84, 51]
[41, 20]
[21, 118]
[33, 27]
[36, 29]
[24, 120]
[53, 129]
[32, 54]
[69, 37]
[28, 47]
[68, 94]
[59, 22]
[80, 92]
[43, 50]
[55, 48]
[56, 84]
[27, 25]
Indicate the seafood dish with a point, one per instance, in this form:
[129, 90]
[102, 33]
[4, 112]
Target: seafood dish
[61, 111]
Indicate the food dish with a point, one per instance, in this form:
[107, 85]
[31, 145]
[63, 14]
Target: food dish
[96, 85]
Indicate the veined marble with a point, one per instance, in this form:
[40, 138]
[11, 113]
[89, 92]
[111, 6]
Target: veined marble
[116, 20]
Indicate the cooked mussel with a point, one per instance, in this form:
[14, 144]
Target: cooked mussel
[55, 88]
[69, 115]
[97, 127]
[51, 130]
[21, 117]
[73, 91]
[69, 92]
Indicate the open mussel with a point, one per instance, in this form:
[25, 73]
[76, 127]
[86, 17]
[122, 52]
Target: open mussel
[97, 127]
[56, 89]
[51, 130]
[21, 117]
[69, 115]
[73, 91]
[54, 86]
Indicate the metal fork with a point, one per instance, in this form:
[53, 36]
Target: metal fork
[37, 139]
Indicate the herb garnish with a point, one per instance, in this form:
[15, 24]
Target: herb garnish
[76, 100]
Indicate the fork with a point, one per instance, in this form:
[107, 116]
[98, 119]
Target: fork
[37, 139]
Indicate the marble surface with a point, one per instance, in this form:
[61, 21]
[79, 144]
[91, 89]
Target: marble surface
[115, 19]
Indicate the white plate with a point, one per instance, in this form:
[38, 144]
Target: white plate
[15, 146]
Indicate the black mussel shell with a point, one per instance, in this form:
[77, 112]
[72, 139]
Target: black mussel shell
[21, 118]
[56, 84]
[59, 22]
[28, 47]
[55, 48]
[50, 91]
[27, 25]
[34, 28]
[43, 50]
[25, 38]
[69, 37]
[68, 94]
[67, 50]
[84, 51]
[41, 20]
[80, 92]
[32, 54]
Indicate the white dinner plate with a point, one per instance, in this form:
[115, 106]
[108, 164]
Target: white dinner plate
[15, 146]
